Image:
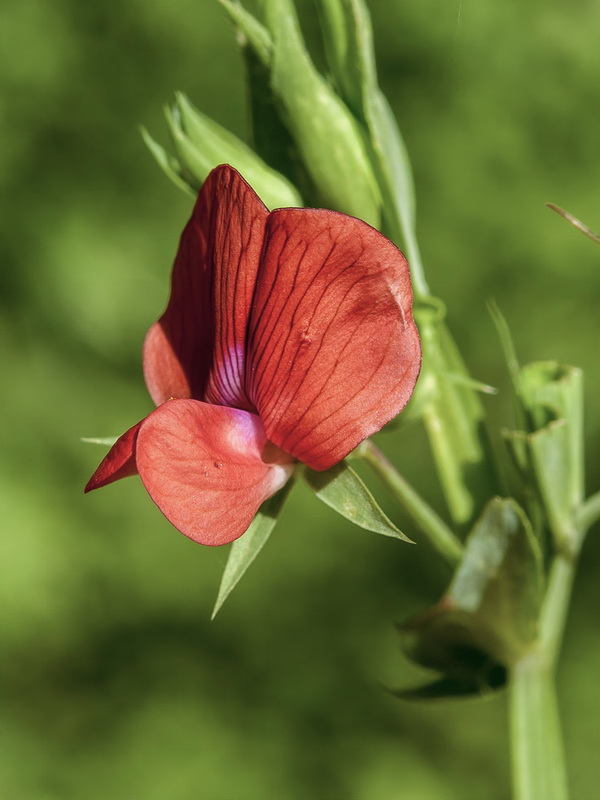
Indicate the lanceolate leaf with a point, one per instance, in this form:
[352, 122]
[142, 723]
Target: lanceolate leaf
[341, 489]
[169, 165]
[244, 550]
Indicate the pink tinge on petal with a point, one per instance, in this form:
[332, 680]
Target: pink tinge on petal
[196, 349]
[333, 350]
[203, 467]
[118, 463]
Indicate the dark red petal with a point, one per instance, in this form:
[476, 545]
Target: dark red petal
[202, 466]
[197, 347]
[333, 350]
[118, 463]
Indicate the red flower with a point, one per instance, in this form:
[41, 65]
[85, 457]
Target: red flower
[288, 337]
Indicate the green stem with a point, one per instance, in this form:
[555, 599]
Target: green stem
[589, 513]
[539, 771]
[425, 518]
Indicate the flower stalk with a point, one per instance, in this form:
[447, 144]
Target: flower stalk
[538, 761]
[431, 525]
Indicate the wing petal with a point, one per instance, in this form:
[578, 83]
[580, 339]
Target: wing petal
[118, 463]
[206, 468]
[196, 349]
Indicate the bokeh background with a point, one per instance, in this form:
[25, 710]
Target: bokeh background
[114, 683]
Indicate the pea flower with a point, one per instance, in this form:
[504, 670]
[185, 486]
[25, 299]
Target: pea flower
[288, 337]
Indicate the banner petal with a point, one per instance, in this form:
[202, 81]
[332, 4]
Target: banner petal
[333, 350]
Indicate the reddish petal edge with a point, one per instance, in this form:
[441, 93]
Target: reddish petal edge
[203, 467]
[196, 349]
[118, 463]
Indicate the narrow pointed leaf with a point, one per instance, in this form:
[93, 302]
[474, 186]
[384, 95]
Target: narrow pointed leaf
[251, 29]
[169, 165]
[244, 550]
[342, 490]
[203, 144]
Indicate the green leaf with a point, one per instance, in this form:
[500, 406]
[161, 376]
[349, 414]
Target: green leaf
[342, 490]
[453, 416]
[488, 618]
[253, 32]
[348, 42]
[552, 395]
[245, 549]
[169, 165]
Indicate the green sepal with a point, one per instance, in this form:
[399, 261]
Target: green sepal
[488, 618]
[344, 491]
[201, 144]
[169, 164]
[326, 133]
[245, 549]
[107, 441]
[250, 31]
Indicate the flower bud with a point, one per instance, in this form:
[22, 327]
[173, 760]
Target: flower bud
[325, 132]
[200, 144]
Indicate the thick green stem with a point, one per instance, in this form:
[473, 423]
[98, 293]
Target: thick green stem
[537, 754]
[539, 771]
[425, 518]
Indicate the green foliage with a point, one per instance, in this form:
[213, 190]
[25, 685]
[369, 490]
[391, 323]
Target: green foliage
[243, 551]
[341, 489]
[103, 635]
[201, 144]
[488, 617]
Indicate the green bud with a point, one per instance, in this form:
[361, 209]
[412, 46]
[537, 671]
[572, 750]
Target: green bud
[200, 144]
[488, 617]
[348, 39]
[325, 132]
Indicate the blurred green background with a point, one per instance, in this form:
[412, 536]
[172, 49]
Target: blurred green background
[114, 683]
